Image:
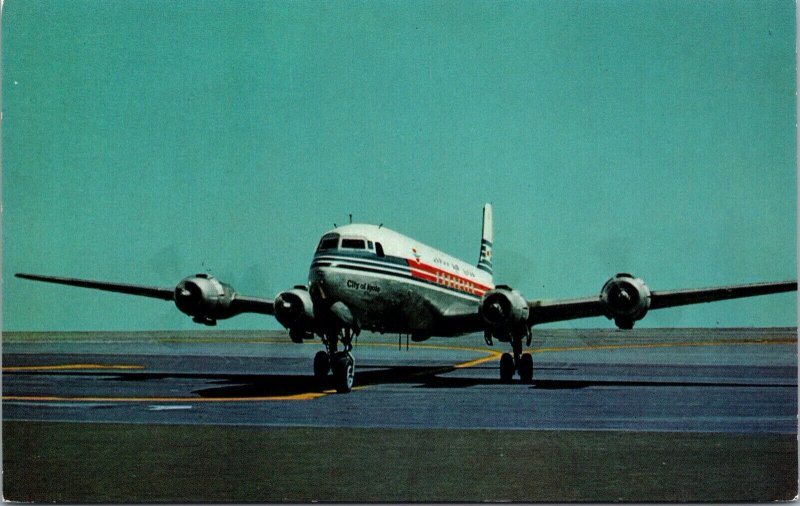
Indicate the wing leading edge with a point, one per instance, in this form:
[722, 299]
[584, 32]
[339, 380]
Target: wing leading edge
[544, 311]
[195, 286]
[140, 290]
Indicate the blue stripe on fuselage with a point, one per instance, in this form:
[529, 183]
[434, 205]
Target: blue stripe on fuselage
[369, 262]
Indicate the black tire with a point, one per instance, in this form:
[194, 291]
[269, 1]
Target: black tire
[343, 367]
[526, 368]
[506, 367]
[322, 365]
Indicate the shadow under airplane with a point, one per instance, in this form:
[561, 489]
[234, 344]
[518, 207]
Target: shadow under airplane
[434, 377]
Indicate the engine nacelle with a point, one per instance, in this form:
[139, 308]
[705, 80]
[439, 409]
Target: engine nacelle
[504, 310]
[205, 299]
[626, 299]
[295, 311]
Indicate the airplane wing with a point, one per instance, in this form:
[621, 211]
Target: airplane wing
[623, 298]
[143, 291]
[545, 311]
[201, 296]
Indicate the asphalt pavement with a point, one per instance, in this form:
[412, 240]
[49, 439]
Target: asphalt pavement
[684, 380]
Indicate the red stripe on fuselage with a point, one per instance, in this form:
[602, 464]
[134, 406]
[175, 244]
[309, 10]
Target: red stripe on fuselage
[445, 278]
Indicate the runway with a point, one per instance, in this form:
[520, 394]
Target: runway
[644, 415]
[675, 380]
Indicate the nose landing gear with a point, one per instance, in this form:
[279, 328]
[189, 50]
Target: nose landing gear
[340, 363]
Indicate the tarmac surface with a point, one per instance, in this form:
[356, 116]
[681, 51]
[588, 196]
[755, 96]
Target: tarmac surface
[665, 380]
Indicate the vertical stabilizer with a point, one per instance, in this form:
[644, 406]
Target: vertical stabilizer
[485, 259]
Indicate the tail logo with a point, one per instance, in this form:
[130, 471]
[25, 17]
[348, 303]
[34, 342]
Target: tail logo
[485, 262]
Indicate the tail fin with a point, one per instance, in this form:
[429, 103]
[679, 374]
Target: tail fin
[485, 259]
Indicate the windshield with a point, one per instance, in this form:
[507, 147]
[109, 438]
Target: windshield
[354, 243]
[329, 242]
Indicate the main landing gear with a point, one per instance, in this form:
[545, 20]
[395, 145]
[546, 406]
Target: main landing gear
[340, 363]
[519, 362]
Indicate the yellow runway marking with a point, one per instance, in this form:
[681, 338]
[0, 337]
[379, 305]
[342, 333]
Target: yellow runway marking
[67, 367]
[57, 398]
[491, 355]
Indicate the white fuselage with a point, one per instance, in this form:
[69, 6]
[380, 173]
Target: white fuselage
[391, 282]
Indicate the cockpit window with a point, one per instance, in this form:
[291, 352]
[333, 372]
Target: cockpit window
[328, 243]
[354, 243]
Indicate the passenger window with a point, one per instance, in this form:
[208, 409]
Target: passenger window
[379, 249]
[353, 243]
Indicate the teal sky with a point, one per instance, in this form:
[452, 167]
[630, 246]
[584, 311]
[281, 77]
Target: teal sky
[144, 141]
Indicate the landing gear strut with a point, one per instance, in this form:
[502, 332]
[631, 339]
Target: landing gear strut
[341, 363]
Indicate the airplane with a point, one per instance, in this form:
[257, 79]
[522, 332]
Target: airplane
[367, 277]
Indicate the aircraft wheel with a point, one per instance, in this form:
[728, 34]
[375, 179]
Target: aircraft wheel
[344, 370]
[526, 368]
[506, 367]
[322, 365]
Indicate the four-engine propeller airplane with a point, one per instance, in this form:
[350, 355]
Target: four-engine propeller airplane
[366, 277]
